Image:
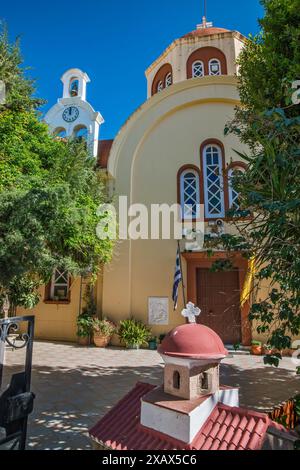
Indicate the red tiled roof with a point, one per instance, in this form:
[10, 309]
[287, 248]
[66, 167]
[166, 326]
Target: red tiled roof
[104, 148]
[205, 32]
[226, 428]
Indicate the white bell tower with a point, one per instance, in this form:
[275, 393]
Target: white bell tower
[74, 82]
[73, 116]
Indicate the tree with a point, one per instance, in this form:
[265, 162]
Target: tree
[50, 191]
[19, 89]
[268, 66]
[269, 122]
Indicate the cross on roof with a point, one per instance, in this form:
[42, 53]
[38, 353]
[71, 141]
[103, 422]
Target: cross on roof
[205, 24]
[191, 312]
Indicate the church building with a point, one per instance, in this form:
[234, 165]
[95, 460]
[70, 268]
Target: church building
[172, 149]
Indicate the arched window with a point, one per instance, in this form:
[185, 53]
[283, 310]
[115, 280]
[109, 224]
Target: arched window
[213, 181]
[80, 133]
[163, 78]
[74, 87]
[160, 86]
[214, 67]
[213, 62]
[60, 132]
[204, 381]
[198, 69]
[168, 80]
[176, 380]
[233, 195]
[190, 194]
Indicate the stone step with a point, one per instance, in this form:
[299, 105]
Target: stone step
[242, 351]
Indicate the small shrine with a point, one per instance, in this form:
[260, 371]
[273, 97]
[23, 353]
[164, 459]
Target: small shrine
[190, 410]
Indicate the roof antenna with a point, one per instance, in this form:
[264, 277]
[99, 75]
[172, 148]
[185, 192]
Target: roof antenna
[205, 24]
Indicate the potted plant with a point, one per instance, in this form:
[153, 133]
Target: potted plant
[267, 349]
[85, 319]
[162, 337]
[256, 348]
[102, 332]
[133, 333]
[84, 328]
[153, 343]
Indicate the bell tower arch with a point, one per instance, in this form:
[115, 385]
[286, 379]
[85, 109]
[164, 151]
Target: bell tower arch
[73, 117]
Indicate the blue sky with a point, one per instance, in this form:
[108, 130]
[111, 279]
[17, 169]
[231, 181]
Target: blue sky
[113, 41]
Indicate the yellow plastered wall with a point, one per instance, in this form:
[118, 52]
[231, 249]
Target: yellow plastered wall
[164, 135]
[54, 321]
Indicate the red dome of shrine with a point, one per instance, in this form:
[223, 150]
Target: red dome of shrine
[193, 341]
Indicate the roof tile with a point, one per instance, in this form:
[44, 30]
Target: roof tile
[226, 428]
[104, 147]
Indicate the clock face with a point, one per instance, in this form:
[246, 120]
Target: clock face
[70, 114]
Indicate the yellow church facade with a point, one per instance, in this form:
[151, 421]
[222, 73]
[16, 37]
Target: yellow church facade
[172, 150]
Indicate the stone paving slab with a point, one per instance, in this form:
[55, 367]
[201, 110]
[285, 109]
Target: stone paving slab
[75, 386]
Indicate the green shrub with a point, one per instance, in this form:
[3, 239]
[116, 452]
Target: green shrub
[84, 325]
[133, 332]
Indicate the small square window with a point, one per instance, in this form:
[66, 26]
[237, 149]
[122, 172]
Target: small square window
[60, 286]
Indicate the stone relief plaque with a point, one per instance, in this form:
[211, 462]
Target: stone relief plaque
[158, 311]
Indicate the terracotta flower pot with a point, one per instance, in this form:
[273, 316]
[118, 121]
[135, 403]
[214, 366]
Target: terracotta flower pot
[267, 352]
[115, 341]
[100, 340]
[83, 340]
[256, 350]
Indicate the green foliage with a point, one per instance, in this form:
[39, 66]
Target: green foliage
[49, 195]
[221, 265]
[269, 64]
[269, 123]
[162, 337]
[86, 318]
[133, 332]
[19, 89]
[270, 189]
[297, 405]
[153, 340]
[272, 359]
[84, 325]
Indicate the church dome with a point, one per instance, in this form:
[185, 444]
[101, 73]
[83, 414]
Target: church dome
[193, 341]
[201, 32]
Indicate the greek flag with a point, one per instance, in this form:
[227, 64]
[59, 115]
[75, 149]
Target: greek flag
[177, 279]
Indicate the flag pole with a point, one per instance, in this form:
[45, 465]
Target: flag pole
[183, 284]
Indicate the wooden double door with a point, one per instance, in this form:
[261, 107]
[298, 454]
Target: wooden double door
[218, 296]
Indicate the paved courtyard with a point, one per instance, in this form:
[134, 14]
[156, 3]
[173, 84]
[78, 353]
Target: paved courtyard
[75, 386]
